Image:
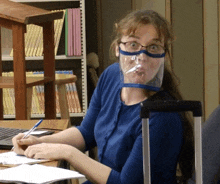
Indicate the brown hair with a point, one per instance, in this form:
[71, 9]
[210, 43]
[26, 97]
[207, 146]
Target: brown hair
[127, 26]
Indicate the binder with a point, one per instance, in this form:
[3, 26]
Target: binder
[171, 106]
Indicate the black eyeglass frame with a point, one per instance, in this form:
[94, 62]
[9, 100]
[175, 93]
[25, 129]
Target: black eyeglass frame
[165, 50]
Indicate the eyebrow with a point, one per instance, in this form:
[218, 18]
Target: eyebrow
[153, 40]
[133, 36]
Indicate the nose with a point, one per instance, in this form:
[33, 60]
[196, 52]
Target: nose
[141, 58]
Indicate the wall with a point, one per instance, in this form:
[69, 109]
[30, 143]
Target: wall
[188, 47]
[108, 11]
[211, 55]
[195, 50]
[156, 5]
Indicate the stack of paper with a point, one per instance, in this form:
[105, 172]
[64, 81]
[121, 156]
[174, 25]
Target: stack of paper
[36, 174]
[12, 159]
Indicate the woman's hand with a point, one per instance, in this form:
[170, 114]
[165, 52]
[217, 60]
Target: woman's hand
[20, 144]
[51, 151]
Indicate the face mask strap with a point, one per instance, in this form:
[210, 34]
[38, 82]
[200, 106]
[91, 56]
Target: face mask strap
[133, 85]
[141, 51]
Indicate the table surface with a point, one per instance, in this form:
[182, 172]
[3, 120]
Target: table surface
[57, 125]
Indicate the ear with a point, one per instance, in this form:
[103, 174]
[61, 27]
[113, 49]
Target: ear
[117, 51]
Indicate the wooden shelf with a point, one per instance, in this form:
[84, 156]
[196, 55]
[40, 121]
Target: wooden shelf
[8, 82]
[36, 1]
[40, 58]
[43, 115]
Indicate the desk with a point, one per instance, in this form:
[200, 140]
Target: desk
[56, 125]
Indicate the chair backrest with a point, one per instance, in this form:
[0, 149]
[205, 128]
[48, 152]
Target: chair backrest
[211, 149]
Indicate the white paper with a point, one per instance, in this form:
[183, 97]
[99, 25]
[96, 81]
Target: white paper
[37, 132]
[11, 158]
[37, 174]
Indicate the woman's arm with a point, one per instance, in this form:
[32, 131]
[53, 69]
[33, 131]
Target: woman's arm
[71, 136]
[93, 170]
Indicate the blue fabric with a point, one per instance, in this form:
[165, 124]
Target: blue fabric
[116, 130]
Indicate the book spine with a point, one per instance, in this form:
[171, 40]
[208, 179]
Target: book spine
[66, 32]
[59, 31]
[78, 32]
[71, 100]
[70, 36]
[75, 95]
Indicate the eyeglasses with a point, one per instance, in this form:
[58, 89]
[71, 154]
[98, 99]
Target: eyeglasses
[133, 46]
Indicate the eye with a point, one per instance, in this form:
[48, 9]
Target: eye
[154, 47]
[133, 45]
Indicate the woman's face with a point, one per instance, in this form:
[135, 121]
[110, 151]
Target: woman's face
[141, 68]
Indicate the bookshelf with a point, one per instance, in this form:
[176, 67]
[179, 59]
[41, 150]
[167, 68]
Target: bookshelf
[62, 62]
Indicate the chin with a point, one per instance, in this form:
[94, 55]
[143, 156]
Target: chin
[140, 80]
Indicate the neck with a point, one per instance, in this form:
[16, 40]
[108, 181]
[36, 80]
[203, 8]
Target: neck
[131, 96]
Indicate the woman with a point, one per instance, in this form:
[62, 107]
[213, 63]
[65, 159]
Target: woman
[112, 122]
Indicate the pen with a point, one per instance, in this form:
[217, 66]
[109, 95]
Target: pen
[31, 130]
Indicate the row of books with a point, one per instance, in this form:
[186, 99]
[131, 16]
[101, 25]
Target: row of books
[34, 35]
[34, 38]
[73, 32]
[38, 96]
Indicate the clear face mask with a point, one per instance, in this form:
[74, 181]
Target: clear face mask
[142, 69]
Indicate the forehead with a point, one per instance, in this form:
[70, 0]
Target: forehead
[144, 32]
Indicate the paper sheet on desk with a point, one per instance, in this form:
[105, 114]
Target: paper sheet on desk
[37, 174]
[37, 132]
[12, 159]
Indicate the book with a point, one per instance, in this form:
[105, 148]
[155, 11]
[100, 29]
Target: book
[74, 93]
[79, 109]
[70, 32]
[58, 31]
[40, 93]
[39, 49]
[63, 75]
[34, 38]
[37, 101]
[78, 32]
[73, 34]
[66, 33]
[6, 98]
[74, 31]
[36, 174]
[39, 42]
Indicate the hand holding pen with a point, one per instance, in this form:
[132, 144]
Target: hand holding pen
[31, 130]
